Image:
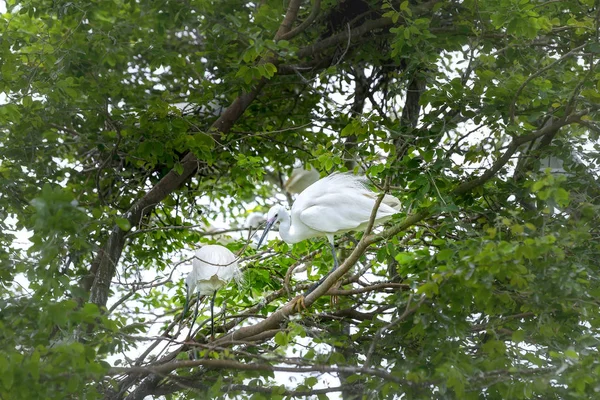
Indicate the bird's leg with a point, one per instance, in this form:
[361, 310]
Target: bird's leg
[194, 351]
[212, 316]
[336, 264]
[333, 300]
[314, 286]
[351, 239]
[299, 301]
[335, 260]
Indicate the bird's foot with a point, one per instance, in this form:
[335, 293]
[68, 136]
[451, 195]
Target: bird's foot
[298, 303]
[334, 299]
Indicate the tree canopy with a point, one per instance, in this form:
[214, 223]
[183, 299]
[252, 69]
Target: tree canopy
[127, 127]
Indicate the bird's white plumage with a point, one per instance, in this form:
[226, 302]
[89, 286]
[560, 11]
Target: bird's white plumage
[335, 204]
[213, 267]
[254, 219]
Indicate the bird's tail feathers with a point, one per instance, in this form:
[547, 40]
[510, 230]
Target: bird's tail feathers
[362, 182]
[238, 277]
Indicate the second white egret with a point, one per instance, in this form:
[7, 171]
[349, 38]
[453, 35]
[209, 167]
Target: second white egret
[300, 179]
[213, 267]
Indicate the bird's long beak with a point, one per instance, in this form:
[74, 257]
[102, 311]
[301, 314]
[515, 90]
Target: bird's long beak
[186, 306]
[268, 226]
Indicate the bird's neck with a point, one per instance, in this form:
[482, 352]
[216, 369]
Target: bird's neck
[286, 231]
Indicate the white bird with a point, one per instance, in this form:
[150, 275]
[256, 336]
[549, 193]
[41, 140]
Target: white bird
[254, 219]
[335, 204]
[300, 179]
[212, 268]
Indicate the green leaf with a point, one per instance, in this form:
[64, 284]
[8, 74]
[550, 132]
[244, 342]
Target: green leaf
[404, 258]
[347, 130]
[34, 365]
[538, 185]
[123, 223]
[178, 167]
[518, 336]
[203, 141]
[311, 381]
[562, 197]
[405, 7]
[429, 289]
[445, 254]
[7, 379]
[281, 338]
[570, 353]
[271, 69]
[427, 155]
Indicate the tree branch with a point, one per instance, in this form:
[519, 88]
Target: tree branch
[302, 27]
[231, 364]
[513, 147]
[370, 288]
[288, 20]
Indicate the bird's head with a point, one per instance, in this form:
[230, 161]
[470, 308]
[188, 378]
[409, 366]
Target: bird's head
[190, 286]
[275, 214]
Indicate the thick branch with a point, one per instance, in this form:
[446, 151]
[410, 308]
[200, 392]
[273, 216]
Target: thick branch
[368, 26]
[288, 20]
[302, 27]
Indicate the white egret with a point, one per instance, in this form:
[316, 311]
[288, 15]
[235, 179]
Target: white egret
[212, 268]
[335, 204]
[254, 219]
[300, 179]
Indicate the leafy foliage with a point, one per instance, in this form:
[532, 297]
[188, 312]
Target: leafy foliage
[128, 127]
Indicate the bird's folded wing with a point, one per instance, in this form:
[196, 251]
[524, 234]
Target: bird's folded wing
[337, 213]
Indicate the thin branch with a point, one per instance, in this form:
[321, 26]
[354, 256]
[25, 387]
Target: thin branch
[235, 365]
[347, 46]
[371, 288]
[591, 126]
[376, 207]
[513, 147]
[205, 233]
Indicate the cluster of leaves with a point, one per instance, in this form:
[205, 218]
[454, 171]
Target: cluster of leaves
[456, 108]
